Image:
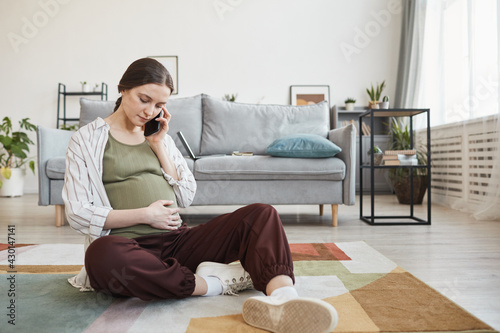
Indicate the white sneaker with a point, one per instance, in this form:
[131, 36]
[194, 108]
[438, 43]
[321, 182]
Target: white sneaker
[297, 315]
[233, 276]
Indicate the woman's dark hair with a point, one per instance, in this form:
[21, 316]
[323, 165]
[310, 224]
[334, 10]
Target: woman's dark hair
[144, 71]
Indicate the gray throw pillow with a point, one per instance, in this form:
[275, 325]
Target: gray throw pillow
[230, 126]
[187, 118]
[90, 109]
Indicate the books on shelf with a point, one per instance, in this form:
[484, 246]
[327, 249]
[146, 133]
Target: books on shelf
[398, 162]
[401, 152]
[366, 130]
[400, 159]
[392, 162]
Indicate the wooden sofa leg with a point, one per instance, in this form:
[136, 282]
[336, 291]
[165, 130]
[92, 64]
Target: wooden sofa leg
[320, 210]
[59, 215]
[335, 215]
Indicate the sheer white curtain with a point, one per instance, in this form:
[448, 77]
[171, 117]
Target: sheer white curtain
[490, 209]
[458, 80]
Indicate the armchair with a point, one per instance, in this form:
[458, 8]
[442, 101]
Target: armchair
[51, 148]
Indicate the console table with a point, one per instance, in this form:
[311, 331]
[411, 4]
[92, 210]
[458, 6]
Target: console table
[369, 117]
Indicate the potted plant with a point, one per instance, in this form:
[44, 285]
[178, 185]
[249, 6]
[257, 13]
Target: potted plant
[349, 103]
[374, 95]
[377, 155]
[230, 98]
[13, 156]
[400, 177]
[85, 86]
[385, 103]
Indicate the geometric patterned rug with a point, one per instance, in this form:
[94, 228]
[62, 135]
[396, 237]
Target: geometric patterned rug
[370, 292]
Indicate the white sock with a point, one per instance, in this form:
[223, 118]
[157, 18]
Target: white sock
[214, 286]
[285, 293]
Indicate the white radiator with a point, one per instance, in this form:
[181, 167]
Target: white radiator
[462, 160]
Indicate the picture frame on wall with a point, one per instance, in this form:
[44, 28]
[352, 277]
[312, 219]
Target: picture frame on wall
[171, 63]
[312, 94]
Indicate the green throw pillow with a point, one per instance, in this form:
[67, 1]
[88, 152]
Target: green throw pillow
[303, 146]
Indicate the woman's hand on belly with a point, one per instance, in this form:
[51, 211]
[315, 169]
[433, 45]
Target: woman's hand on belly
[162, 217]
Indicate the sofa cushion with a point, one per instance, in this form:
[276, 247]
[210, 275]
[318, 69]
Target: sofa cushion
[190, 164]
[186, 117]
[265, 167]
[230, 126]
[303, 146]
[56, 167]
[90, 109]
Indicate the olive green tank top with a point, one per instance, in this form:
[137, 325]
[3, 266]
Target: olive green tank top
[133, 178]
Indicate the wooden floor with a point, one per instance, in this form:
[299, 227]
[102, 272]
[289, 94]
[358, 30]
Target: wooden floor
[457, 255]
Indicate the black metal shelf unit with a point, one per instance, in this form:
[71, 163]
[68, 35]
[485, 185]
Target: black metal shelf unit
[62, 92]
[410, 219]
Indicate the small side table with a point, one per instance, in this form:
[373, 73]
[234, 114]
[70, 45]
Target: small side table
[410, 219]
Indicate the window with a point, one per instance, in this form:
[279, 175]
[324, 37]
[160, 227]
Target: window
[460, 60]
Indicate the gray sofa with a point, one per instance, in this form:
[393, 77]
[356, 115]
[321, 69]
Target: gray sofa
[214, 129]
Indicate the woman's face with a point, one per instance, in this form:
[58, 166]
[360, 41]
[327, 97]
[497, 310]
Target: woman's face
[143, 103]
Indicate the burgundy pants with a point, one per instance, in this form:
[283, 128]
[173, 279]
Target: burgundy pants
[162, 266]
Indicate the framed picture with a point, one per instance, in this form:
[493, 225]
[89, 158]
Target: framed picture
[171, 64]
[304, 95]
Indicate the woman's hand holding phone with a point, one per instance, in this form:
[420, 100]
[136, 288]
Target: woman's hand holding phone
[156, 129]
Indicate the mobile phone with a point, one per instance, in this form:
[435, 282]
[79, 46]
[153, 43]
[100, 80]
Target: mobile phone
[152, 126]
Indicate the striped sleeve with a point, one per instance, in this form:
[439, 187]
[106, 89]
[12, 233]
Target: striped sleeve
[185, 187]
[83, 201]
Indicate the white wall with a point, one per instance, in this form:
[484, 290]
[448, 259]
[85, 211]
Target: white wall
[256, 48]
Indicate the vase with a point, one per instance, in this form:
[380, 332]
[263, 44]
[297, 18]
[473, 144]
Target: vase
[377, 158]
[373, 104]
[384, 105]
[349, 106]
[403, 192]
[14, 186]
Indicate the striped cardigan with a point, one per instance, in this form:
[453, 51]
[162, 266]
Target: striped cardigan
[86, 203]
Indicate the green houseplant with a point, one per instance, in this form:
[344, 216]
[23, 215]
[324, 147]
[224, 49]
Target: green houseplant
[377, 155]
[13, 154]
[400, 177]
[230, 98]
[385, 103]
[349, 103]
[374, 94]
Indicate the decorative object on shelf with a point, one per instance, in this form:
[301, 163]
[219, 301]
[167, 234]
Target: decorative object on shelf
[85, 86]
[377, 154]
[73, 127]
[385, 103]
[13, 156]
[374, 95]
[96, 87]
[349, 104]
[230, 98]
[171, 63]
[304, 95]
[400, 157]
[400, 177]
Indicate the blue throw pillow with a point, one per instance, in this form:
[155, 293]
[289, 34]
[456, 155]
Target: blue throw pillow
[303, 146]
